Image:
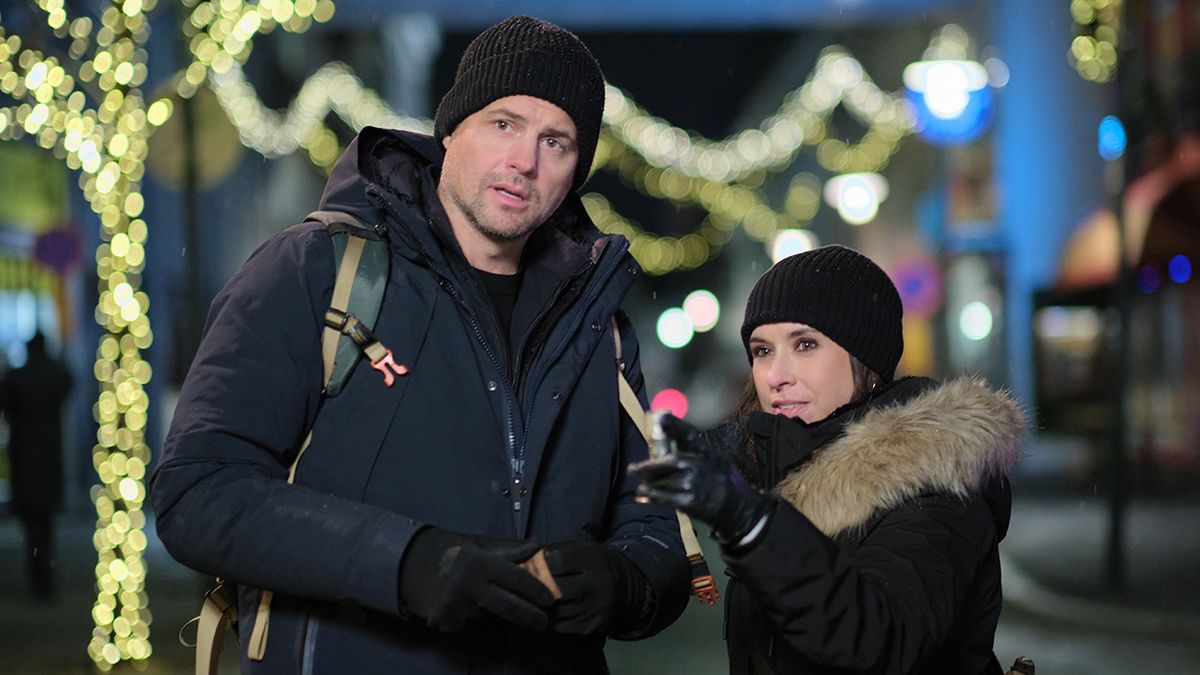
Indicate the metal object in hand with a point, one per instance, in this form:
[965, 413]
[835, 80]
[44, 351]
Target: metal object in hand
[661, 445]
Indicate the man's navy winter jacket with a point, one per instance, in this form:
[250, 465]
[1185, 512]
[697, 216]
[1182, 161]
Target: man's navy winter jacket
[521, 437]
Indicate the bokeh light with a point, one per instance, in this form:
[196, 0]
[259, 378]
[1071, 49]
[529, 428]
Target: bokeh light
[790, 242]
[951, 97]
[1148, 280]
[1179, 269]
[671, 399]
[1111, 140]
[975, 320]
[675, 328]
[856, 196]
[919, 282]
[1093, 52]
[703, 309]
[948, 87]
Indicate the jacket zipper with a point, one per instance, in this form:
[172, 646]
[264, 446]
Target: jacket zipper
[586, 301]
[516, 457]
[728, 602]
[510, 427]
[521, 346]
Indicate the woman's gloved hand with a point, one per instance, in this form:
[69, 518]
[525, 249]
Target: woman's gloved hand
[700, 480]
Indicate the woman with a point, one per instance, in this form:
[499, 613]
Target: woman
[859, 516]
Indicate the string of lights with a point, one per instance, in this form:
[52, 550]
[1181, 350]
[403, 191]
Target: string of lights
[801, 119]
[658, 159]
[220, 32]
[334, 87]
[88, 111]
[729, 206]
[1094, 50]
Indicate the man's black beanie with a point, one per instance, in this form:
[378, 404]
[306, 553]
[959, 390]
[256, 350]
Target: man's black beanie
[531, 57]
[841, 293]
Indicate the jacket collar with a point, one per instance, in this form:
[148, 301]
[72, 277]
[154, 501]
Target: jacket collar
[959, 437]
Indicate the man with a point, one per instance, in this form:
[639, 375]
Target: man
[31, 398]
[397, 548]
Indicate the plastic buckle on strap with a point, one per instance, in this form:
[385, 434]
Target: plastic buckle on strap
[705, 589]
[386, 361]
[220, 596]
[336, 318]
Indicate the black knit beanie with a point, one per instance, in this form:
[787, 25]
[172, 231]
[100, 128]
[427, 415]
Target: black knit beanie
[531, 57]
[841, 293]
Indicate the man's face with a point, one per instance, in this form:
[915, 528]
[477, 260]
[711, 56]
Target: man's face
[507, 168]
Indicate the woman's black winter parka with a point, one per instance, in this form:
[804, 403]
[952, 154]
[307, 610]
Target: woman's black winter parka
[881, 554]
[519, 438]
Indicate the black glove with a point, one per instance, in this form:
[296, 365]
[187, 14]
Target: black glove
[450, 579]
[602, 590]
[700, 480]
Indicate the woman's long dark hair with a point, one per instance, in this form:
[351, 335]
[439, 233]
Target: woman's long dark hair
[866, 381]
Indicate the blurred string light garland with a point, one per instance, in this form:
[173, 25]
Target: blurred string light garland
[220, 36]
[838, 78]
[86, 107]
[658, 159]
[221, 31]
[88, 110]
[1094, 50]
[333, 87]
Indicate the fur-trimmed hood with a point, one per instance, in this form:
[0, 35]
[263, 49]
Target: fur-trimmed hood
[958, 437]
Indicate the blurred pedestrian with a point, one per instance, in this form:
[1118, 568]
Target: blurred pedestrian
[859, 515]
[32, 398]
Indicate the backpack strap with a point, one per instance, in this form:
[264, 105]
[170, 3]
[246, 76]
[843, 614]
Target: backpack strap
[703, 585]
[362, 260]
[217, 614]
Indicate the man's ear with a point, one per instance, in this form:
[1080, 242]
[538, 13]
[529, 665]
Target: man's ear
[446, 141]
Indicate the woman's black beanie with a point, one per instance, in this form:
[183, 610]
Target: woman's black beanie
[530, 57]
[841, 293]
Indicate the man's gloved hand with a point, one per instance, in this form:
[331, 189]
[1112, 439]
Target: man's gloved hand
[700, 480]
[603, 590]
[450, 579]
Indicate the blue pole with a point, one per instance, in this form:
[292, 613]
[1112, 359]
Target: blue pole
[1048, 174]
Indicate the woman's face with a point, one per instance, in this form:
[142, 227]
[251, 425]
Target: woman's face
[799, 372]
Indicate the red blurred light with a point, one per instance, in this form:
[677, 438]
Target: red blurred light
[671, 399]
